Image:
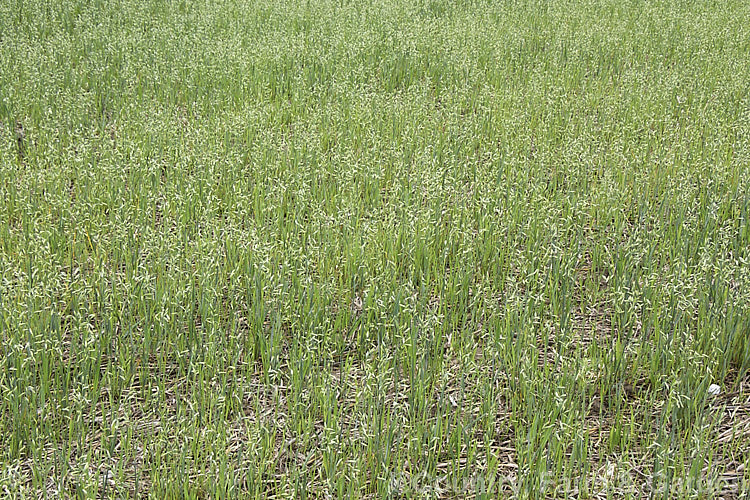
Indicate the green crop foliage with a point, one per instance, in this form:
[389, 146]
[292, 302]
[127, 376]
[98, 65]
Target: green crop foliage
[374, 249]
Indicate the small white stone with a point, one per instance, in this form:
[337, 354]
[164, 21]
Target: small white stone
[714, 389]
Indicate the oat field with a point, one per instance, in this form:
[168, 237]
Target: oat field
[359, 249]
